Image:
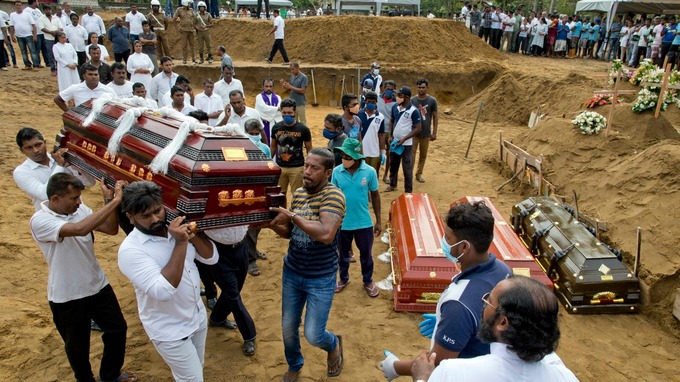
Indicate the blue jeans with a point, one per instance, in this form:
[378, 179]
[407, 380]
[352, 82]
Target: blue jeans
[50, 56]
[28, 43]
[40, 47]
[317, 294]
[613, 46]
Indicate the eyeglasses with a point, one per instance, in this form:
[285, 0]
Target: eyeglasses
[485, 299]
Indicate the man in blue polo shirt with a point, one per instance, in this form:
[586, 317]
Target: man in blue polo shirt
[357, 180]
[119, 36]
[468, 233]
[668, 37]
[404, 125]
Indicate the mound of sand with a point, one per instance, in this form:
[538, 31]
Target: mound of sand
[393, 41]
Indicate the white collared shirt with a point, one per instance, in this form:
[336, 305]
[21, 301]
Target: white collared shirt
[267, 112]
[74, 271]
[228, 236]
[250, 113]
[77, 36]
[167, 313]
[32, 177]
[500, 366]
[52, 24]
[135, 21]
[209, 104]
[166, 100]
[161, 84]
[93, 24]
[80, 93]
[223, 89]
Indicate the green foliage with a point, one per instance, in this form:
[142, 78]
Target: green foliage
[303, 4]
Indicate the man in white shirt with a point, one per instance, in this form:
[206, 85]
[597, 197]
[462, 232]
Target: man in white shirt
[32, 175]
[430, 15]
[49, 25]
[163, 81]
[65, 13]
[228, 83]
[133, 20]
[77, 36]
[63, 16]
[185, 85]
[93, 23]
[278, 31]
[139, 90]
[4, 59]
[520, 323]
[158, 258]
[23, 29]
[507, 41]
[267, 104]
[404, 124]
[237, 112]
[178, 101]
[40, 44]
[120, 85]
[77, 288]
[89, 89]
[209, 102]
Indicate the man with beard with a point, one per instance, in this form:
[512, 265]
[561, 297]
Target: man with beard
[163, 81]
[312, 224]
[468, 233]
[405, 121]
[158, 258]
[103, 68]
[77, 288]
[267, 104]
[520, 322]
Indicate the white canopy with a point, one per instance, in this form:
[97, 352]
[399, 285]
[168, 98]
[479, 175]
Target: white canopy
[623, 6]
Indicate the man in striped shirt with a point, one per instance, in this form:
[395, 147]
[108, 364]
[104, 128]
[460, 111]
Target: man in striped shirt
[309, 268]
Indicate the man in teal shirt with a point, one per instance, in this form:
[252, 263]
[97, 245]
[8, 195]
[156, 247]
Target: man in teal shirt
[357, 180]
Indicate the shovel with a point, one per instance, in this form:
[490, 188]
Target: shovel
[333, 102]
[315, 104]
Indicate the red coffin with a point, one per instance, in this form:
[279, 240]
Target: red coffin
[421, 271]
[214, 180]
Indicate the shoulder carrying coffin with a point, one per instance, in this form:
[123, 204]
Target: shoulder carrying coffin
[214, 180]
[588, 277]
[421, 271]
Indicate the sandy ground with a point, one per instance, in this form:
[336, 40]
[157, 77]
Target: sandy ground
[606, 347]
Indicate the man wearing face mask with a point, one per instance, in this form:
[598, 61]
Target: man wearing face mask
[404, 125]
[351, 124]
[288, 138]
[385, 102]
[357, 181]
[468, 233]
[373, 132]
[332, 130]
[367, 87]
[374, 76]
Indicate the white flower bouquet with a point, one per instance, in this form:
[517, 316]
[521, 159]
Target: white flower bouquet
[590, 122]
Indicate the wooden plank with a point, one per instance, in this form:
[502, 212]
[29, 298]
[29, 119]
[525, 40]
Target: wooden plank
[602, 226]
[531, 160]
[608, 92]
[611, 110]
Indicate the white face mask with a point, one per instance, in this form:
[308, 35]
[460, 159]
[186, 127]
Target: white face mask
[255, 138]
[399, 100]
[376, 71]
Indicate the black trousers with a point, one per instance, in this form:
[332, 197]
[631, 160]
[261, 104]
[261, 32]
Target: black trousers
[3, 54]
[230, 274]
[496, 38]
[72, 319]
[278, 45]
[204, 270]
[119, 57]
[259, 9]
[82, 58]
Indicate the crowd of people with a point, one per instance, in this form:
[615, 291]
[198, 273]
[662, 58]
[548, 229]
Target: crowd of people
[384, 128]
[630, 37]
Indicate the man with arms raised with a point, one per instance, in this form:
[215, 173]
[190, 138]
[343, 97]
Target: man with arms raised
[89, 89]
[468, 233]
[520, 322]
[77, 288]
[309, 267]
[158, 258]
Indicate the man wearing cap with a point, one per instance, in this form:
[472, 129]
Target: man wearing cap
[373, 132]
[374, 76]
[186, 25]
[357, 180]
[204, 22]
[367, 86]
[404, 125]
[159, 23]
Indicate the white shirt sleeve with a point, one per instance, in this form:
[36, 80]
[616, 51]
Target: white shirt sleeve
[266, 112]
[30, 185]
[213, 260]
[102, 27]
[45, 228]
[145, 274]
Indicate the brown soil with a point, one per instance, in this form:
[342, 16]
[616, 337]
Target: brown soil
[629, 180]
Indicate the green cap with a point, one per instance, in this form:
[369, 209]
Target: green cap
[352, 148]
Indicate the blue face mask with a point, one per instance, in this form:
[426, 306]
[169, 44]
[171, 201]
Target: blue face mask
[288, 120]
[376, 71]
[371, 106]
[331, 135]
[446, 249]
[255, 138]
[389, 93]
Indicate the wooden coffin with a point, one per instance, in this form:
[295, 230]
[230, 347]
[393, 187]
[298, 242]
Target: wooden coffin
[421, 271]
[588, 277]
[214, 180]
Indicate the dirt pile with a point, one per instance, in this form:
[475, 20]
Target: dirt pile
[335, 39]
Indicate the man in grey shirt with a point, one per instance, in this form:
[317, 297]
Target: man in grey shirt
[298, 87]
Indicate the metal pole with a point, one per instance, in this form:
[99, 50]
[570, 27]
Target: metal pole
[479, 112]
[637, 254]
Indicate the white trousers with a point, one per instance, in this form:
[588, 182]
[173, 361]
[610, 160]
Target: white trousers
[185, 356]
